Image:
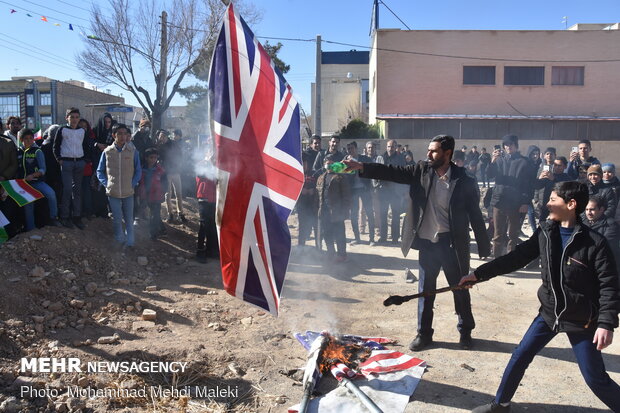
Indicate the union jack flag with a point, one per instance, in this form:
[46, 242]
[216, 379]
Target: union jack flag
[255, 125]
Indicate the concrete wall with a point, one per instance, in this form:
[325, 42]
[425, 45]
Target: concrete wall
[340, 96]
[422, 84]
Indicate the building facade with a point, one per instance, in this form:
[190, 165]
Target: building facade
[476, 85]
[343, 78]
[40, 101]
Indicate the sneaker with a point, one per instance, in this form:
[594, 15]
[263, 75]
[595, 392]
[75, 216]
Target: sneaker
[170, 219]
[355, 242]
[372, 244]
[136, 222]
[493, 408]
[54, 223]
[466, 341]
[78, 223]
[66, 223]
[420, 342]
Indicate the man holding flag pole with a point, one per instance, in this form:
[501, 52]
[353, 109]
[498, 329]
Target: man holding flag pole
[255, 126]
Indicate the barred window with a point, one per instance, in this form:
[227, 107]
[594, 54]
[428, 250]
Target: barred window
[9, 106]
[524, 75]
[478, 75]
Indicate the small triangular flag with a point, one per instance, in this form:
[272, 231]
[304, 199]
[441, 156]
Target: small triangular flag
[70, 27]
[44, 18]
[56, 24]
[92, 36]
[13, 11]
[28, 14]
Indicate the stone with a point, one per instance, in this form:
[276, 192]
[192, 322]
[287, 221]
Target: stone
[38, 272]
[36, 237]
[143, 261]
[69, 276]
[108, 339]
[180, 260]
[46, 303]
[76, 404]
[246, 321]
[38, 318]
[123, 281]
[10, 405]
[77, 303]
[234, 367]
[130, 308]
[151, 288]
[149, 315]
[88, 271]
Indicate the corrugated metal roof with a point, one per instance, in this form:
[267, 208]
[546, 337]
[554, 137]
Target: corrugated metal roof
[481, 116]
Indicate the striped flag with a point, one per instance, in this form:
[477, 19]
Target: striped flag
[21, 191]
[388, 361]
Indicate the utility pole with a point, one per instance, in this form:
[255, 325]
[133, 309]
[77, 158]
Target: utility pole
[317, 89]
[376, 14]
[163, 65]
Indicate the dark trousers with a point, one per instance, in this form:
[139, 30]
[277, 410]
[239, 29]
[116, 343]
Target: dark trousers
[389, 200]
[307, 215]
[207, 232]
[87, 196]
[333, 232]
[506, 221]
[155, 224]
[588, 357]
[484, 177]
[100, 201]
[434, 257]
[364, 196]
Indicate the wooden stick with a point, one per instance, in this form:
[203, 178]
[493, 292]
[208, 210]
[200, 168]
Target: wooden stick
[399, 299]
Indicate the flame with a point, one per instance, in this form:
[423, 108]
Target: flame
[339, 351]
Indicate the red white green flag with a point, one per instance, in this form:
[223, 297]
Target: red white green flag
[21, 191]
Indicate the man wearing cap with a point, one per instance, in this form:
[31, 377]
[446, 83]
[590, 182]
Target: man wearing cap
[610, 180]
[443, 203]
[605, 193]
[514, 180]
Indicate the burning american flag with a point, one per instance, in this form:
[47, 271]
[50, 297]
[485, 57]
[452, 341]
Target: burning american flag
[255, 125]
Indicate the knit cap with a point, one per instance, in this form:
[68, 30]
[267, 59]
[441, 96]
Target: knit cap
[609, 167]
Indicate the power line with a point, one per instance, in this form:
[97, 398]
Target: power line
[74, 5]
[34, 12]
[395, 15]
[22, 52]
[54, 10]
[499, 59]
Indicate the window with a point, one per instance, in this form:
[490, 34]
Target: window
[29, 99]
[478, 75]
[46, 121]
[567, 75]
[524, 75]
[46, 99]
[9, 106]
[30, 123]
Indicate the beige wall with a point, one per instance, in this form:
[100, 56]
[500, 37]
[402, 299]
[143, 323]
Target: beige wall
[340, 96]
[417, 84]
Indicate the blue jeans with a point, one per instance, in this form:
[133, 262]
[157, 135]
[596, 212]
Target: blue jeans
[122, 210]
[49, 193]
[588, 357]
[434, 257]
[71, 173]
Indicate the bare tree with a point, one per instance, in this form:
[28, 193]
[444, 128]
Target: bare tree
[127, 44]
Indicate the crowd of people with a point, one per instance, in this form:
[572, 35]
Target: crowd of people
[515, 187]
[105, 172]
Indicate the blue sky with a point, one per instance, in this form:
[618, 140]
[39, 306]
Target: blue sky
[32, 47]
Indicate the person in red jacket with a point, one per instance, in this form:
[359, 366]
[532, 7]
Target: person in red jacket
[152, 189]
[207, 245]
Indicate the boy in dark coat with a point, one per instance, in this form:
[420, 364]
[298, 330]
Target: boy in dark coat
[152, 189]
[578, 295]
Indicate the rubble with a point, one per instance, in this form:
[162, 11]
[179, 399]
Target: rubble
[149, 315]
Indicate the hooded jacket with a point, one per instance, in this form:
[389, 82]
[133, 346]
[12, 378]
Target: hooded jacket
[579, 290]
[464, 206]
[514, 181]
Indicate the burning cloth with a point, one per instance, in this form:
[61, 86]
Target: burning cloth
[387, 377]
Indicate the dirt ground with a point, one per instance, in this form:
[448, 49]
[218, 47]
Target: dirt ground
[66, 290]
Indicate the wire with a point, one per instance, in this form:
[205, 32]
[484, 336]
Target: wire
[39, 58]
[54, 10]
[395, 15]
[499, 59]
[74, 5]
[34, 12]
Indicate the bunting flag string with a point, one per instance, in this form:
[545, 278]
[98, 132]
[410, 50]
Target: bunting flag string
[45, 20]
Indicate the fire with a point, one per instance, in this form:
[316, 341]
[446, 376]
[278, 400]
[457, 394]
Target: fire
[339, 351]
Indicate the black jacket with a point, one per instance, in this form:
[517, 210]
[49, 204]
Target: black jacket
[464, 206]
[607, 194]
[579, 288]
[514, 181]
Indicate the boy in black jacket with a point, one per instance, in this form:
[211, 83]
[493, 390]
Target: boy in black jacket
[578, 295]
